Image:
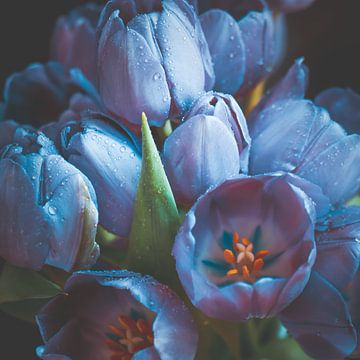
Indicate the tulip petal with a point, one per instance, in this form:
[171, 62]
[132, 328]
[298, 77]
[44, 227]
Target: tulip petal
[186, 78]
[292, 86]
[343, 106]
[24, 242]
[227, 49]
[199, 154]
[131, 78]
[338, 242]
[343, 156]
[109, 159]
[257, 29]
[319, 320]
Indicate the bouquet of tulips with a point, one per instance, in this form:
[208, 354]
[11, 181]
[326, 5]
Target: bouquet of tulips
[159, 200]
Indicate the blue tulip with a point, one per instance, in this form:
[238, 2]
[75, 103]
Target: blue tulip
[41, 92]
[112, 162]
[343, 106]
[290, 6]
[211, 145]
[74, 41]
[242, 47]
[297, 136]
[152, 58]
[324, 318]
[47, 207]
[116, 315]
[247, 247]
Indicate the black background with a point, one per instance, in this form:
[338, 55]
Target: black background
[327, 34]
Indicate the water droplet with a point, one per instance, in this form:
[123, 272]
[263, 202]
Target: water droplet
[122, 148]
[231, 55]
[52, 210]
[157, 76]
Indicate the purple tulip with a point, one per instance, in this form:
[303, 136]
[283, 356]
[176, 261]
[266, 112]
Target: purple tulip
[343, 106]
[47, 207]
[199, 154]
[324, 319]
[41, 92]
[226, 109]
[116, 315]
[292, 86]
[297, 136]
[74, 40]
[247, 247]
[212, 145]
[242, 45]
[152, 58]
[112, 162]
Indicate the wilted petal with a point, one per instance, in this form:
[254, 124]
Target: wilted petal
[343, 106]
[320, 321]
[199, 154]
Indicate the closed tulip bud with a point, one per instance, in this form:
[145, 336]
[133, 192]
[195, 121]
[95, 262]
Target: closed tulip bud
[112, 163]
[41, 92]
[199, 154]
[47, 207]
[152, 58]
[74, 39]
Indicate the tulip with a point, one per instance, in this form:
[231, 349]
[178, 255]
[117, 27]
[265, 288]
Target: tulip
[226, 109]
[116, 315]
[111, 161]
[297, 136]
[41, 92]
[247, 247]
[242, 47]
[152, 58]
[47, 207]
[199, 154]
[74, 42]
[324, 318]
[211, 146]
[343, 106]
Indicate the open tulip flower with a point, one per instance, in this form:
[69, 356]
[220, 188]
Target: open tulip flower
[116, 315]
[246, 248]
[162, 197]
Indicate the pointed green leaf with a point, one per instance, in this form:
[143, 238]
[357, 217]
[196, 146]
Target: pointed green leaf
[156, 218]
[354, 201]
[17, 284]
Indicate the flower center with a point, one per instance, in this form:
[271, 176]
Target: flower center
[243, 260]
[129, 336]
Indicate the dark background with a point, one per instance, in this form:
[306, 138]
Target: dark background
[327, 35]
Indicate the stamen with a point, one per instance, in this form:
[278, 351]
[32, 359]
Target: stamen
[128, 337]
[229, 256]
[243, 260]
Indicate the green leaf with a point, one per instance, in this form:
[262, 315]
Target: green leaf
[24, 310]
[156, 218]
[17, 284]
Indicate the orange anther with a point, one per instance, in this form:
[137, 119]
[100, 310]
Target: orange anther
[235, 239]
[229, 256]
[232, 272]
[246, 241]
[116, 331]
[261, 254]
[113, 345]
[258, 264]
[245, 271]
